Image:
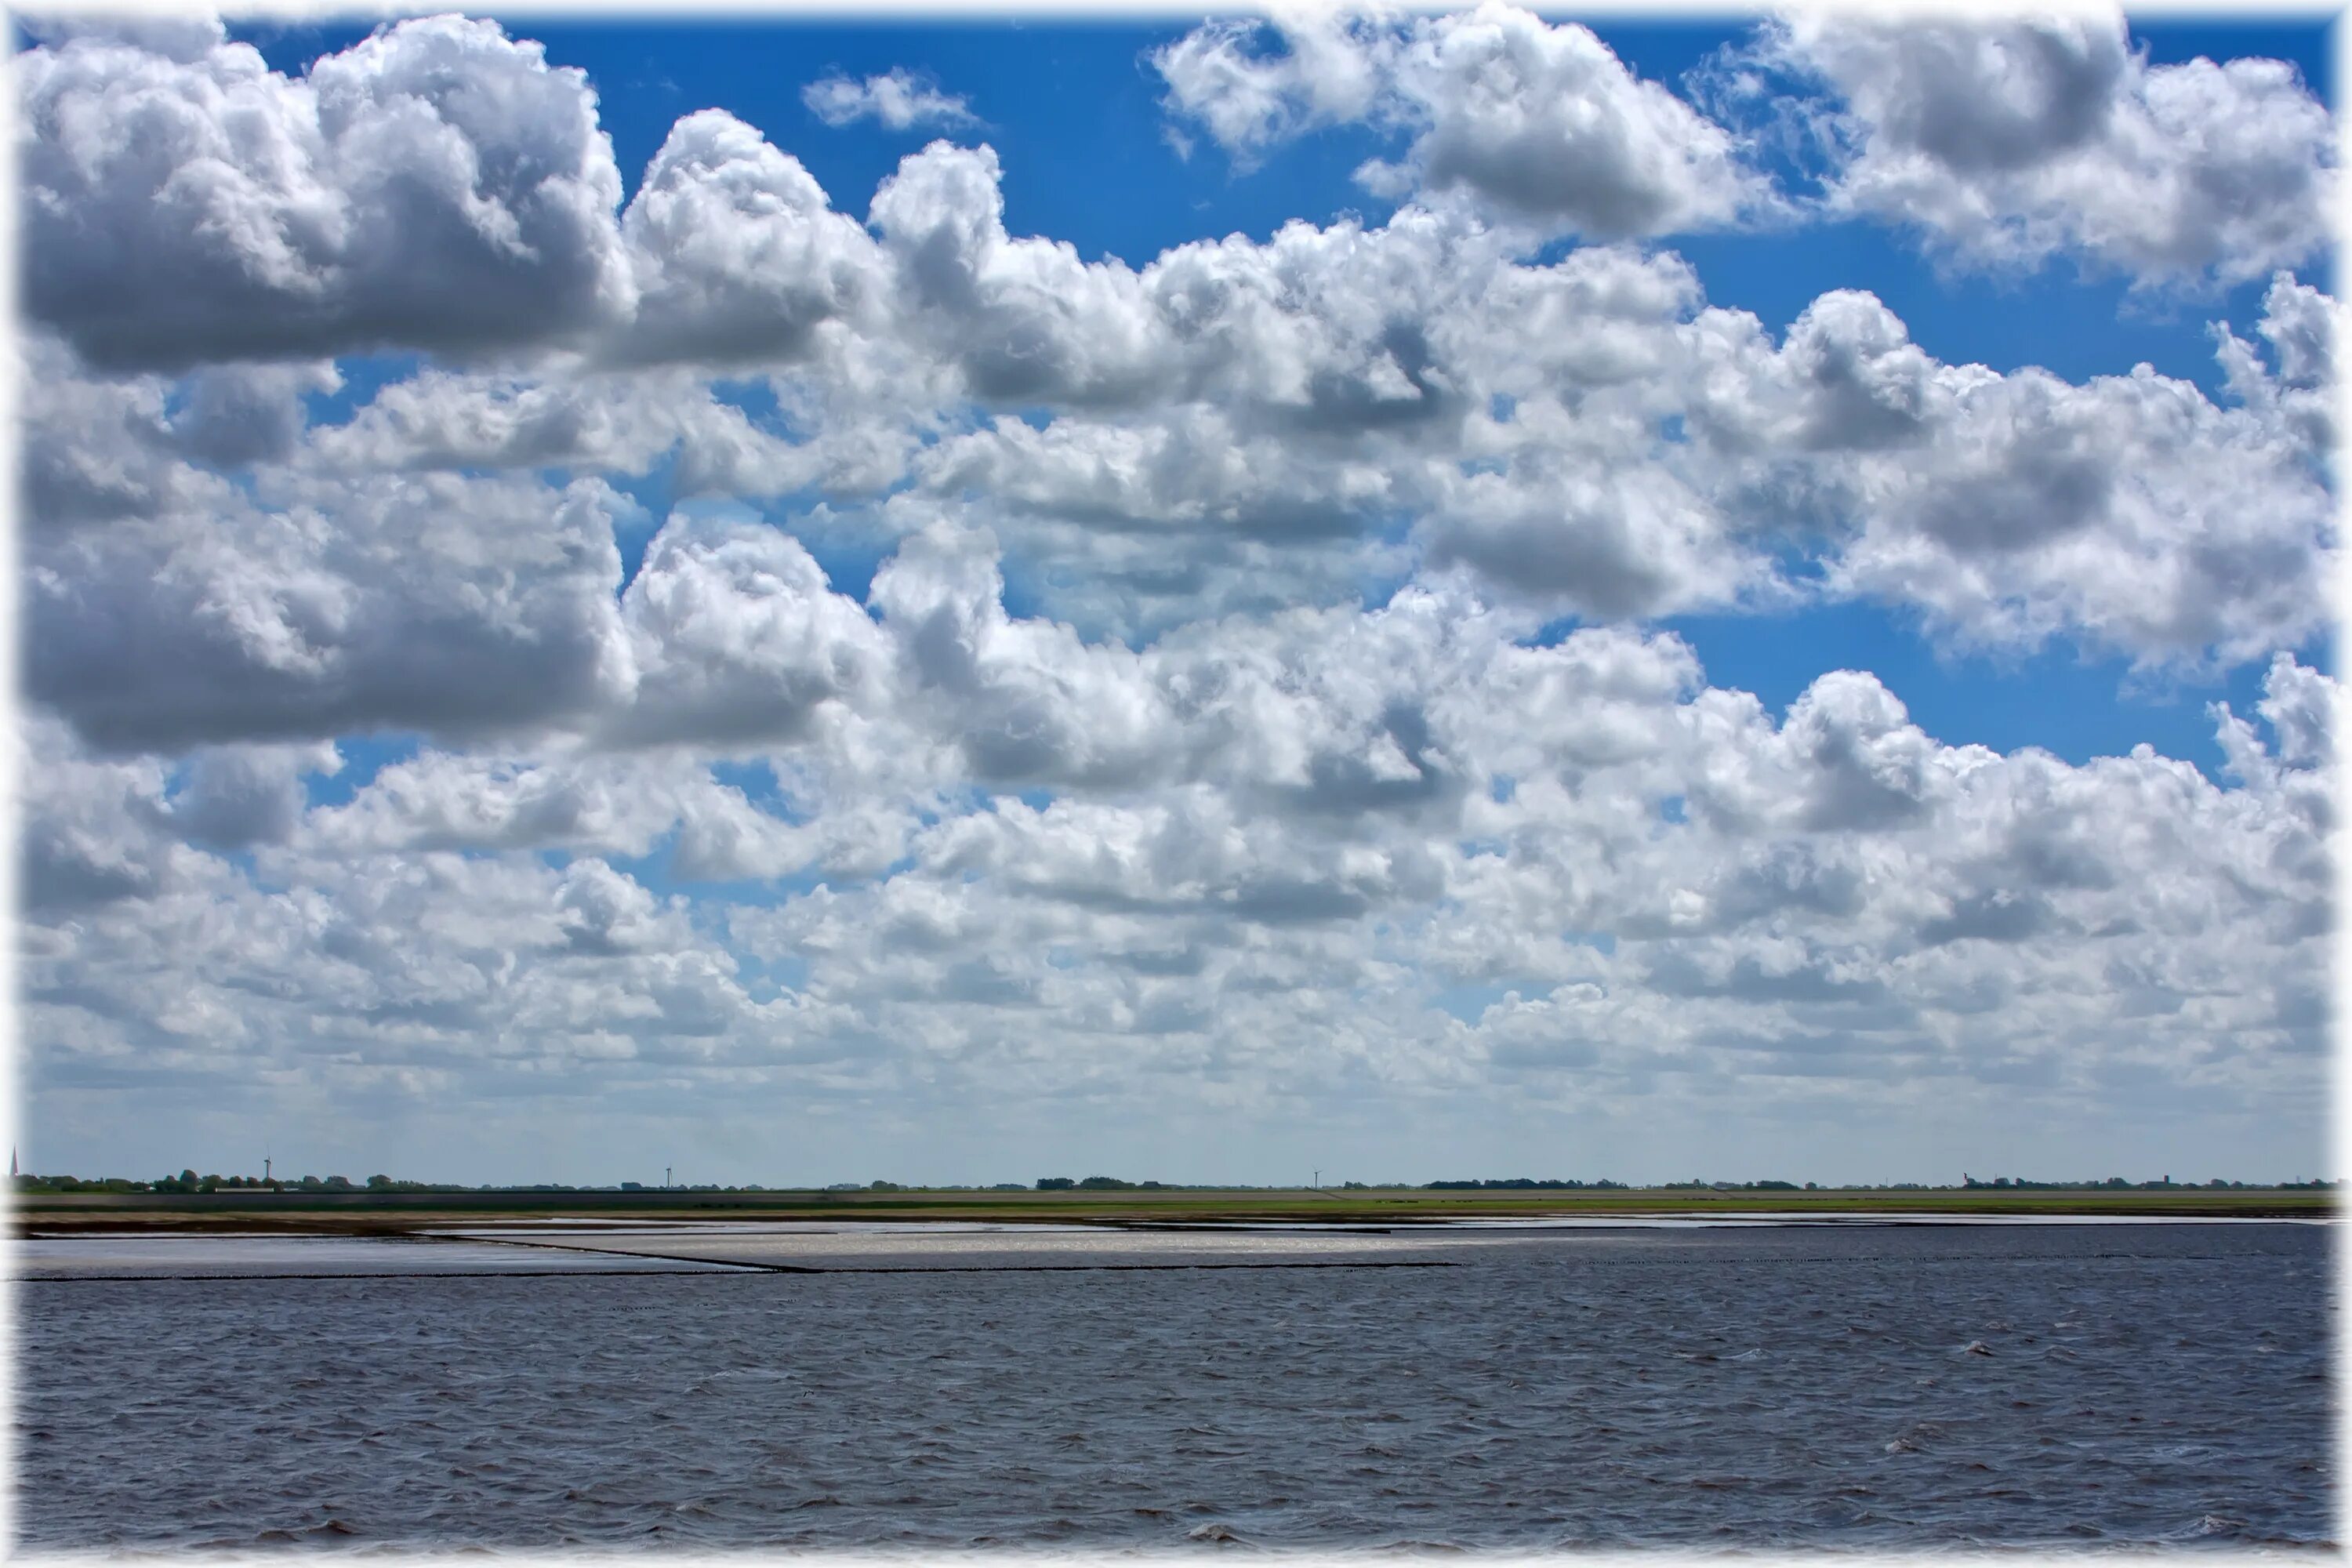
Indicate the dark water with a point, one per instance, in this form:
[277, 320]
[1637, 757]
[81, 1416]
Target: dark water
[1868, 1389]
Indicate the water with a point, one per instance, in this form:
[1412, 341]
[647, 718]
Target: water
[1867, 1388]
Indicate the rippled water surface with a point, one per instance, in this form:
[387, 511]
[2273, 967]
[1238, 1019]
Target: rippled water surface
[1858, 1387]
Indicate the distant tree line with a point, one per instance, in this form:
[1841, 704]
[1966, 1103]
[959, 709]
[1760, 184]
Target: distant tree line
[1095, 1184]
[2117, 1184]
[1697, 1185]
[188, 1181]
[1521, 1184]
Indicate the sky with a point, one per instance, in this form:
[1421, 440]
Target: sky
[1414, 595]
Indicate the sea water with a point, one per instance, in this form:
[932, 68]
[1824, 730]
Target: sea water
[1865, 1388]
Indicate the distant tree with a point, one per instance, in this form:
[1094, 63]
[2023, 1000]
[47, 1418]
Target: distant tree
[884, 1187]
[379, 1183]
[1054, 1184]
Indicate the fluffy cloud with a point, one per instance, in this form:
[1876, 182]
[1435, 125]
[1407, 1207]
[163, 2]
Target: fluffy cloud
[1545, 124]
[1024, 318]
[2011, 140]
[1540, 123]
[426, 603]
[235, 416]
[90, 833]
[2295, 389]
[1237, 422]
[738, 255]
[589, 418]
[439, 420]
[1253, 421]
[2127, 512]
[98, 449]
[1248, 100]
[2010, 507]
[737, 641]
[234, 797]
[897, 99]
[1619, 546]
[437, 185]
[1317, 842]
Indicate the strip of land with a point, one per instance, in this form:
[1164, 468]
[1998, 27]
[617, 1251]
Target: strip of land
[376, 1214]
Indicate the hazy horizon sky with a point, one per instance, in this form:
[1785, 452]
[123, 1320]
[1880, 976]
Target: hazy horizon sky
[1452, 594]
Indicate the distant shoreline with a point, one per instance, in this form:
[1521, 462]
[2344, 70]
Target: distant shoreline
[379, 1214]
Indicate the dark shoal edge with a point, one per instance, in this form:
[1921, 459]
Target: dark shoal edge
[429, 1274]
[713, 1267]
[936, 1268]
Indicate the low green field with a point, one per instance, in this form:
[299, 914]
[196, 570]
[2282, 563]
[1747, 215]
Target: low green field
[383, 1212]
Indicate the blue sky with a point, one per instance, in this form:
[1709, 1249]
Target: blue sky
[689, 694]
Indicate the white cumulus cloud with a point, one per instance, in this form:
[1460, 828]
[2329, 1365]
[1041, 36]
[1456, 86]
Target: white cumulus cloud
[897, 99]
[2008, 139]
[1540, 123]
[437, 185]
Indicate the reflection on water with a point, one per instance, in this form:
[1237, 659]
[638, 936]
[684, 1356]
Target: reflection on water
[1870, 1388]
